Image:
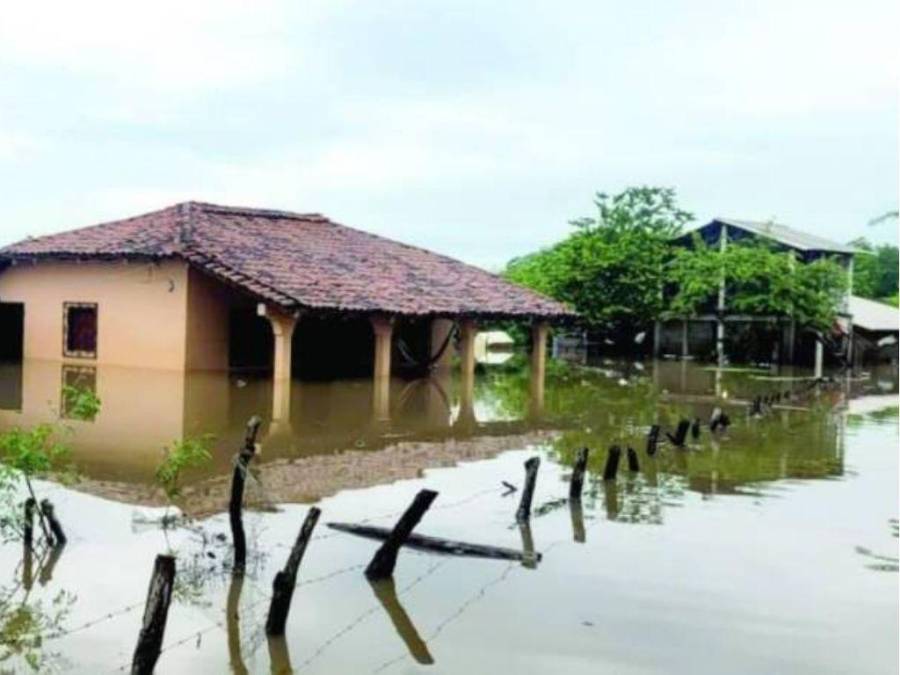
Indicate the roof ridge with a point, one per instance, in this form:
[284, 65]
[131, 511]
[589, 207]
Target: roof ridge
[209, 207]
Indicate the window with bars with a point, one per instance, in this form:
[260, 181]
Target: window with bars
[80, 330]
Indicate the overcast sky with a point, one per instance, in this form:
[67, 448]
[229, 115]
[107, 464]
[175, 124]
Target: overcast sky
[477, 129]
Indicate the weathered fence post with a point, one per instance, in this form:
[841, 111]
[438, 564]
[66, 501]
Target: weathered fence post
[577, 484]
[612, 463]
[55, 527]
[236, 504]
[633, 464]
[28, 525]
[695, 428]
[286, 579]
[385, 559]
[523, 513]
[156, 611]
[652, 440]
[680, 434]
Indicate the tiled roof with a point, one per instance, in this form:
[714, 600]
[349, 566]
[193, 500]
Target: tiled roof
[796, 239]
[299, 260]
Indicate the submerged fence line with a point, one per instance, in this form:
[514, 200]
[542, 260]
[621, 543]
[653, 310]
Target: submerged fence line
[757, 407]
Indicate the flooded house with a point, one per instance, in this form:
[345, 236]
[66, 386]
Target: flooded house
[180, 297]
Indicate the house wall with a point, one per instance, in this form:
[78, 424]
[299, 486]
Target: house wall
[141, 309]
[206, 338]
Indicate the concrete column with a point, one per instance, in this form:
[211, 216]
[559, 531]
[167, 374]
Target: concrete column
[383, 328]
[283, 331]
[685, 345]
[657, 338]
[467, 332]
[440, 329]
[819, 359]
[539, 333]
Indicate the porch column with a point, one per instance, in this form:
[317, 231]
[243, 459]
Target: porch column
[467, 332]
[383, 328]
[539, 333]
[819, 359]
[657, 338]
[685, 349]
[720, 305]
[283, 331]
[440, 330]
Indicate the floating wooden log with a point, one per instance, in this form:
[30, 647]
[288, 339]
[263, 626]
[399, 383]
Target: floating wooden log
[633, 464]
[523, 513]
[236, 503]
[612, 463]
[576, 485]
[680, 434]
[652, 440]
[423, 542]
[286, 579]
[59, 537]
[156, 611]
[385, 559]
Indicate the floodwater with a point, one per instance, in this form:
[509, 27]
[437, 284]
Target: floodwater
[769, 549]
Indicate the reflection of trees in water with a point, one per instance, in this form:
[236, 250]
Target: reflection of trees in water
[27, 623]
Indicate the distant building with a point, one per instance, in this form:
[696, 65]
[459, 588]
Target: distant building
[706, 334]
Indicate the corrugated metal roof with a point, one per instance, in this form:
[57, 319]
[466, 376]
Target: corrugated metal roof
[788, 236]
[874, 316]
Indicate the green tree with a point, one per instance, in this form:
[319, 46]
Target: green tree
[760, 279]
[875, 270]
[611, 268]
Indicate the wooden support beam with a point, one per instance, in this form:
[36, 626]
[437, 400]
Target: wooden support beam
[385, 559]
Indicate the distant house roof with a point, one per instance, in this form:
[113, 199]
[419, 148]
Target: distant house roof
[298, 261]
[874, 316]
[796, 239]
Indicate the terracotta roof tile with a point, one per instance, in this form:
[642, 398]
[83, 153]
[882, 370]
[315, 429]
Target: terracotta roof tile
[299, 260]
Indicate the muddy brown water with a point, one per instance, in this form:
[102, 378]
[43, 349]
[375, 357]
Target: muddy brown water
[772, 549]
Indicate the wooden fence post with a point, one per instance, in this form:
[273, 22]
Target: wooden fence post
[59, 537]
[695, 429]
[385, 559]
[612, 463]
[577, 484]
[156, 611]
[28, 525]
[236, 503]
[680, 434]
[633, 464]
[286, 579]
[523, 513]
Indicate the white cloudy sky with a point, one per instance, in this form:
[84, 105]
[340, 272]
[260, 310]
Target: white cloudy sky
[477, 129]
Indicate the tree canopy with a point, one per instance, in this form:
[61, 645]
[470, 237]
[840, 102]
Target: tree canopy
[620, 271]
[611, 267]
[875, 271]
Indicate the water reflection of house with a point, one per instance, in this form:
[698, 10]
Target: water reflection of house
[200, 287]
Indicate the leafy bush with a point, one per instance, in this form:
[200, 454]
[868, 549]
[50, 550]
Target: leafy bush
[181, 455]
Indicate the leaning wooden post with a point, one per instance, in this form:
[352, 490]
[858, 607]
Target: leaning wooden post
[633, 464]
[156, 611]
[612, 463]
[236, 504]
[28, 525]
[523, 513]
[385, 559]
[55, 527]
[577, 484]
[286, 579]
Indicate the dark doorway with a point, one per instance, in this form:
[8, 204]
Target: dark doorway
[12, 322]
[251, 345]
[326, 348]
